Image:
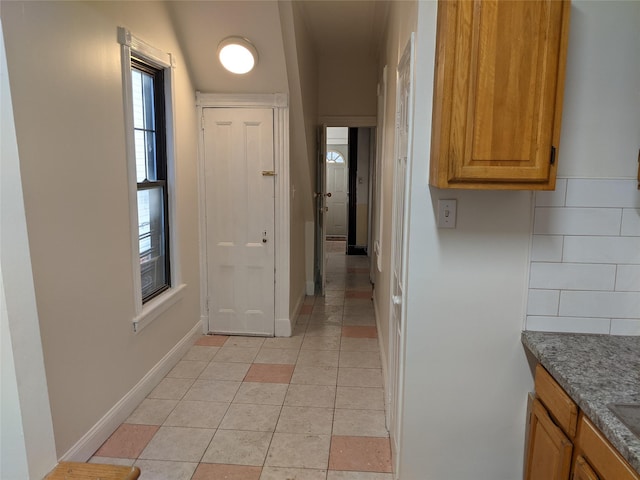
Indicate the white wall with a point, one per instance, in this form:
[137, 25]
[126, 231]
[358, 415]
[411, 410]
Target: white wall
[65, 74]
[601, 113]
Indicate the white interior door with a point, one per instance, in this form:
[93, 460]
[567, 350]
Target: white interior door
[402, 166]
[239, 202]
[337, 195]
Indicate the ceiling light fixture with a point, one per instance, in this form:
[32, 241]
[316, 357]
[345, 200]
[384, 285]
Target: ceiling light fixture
[237, 54]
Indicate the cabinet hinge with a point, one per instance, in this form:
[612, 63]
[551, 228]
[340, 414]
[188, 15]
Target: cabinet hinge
[552, 160]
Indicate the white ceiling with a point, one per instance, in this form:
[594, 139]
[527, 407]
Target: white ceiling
[344, 28]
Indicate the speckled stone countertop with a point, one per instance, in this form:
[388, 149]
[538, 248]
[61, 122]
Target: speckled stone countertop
[595, 370]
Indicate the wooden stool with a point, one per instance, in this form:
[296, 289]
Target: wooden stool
[92, 471]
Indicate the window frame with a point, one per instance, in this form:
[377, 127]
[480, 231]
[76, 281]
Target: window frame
[133, 48]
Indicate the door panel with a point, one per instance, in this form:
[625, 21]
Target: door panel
[238, 148]
[337, 180]
[321, 209]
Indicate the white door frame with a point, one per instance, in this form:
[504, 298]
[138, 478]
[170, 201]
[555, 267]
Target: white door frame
[279, 102]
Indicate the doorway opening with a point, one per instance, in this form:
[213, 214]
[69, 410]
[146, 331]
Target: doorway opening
[349, 154]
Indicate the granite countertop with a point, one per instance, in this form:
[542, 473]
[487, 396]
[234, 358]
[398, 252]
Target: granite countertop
[595, 370]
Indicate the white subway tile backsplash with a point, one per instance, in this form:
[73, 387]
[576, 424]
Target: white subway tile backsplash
[625, 250]
[628, 279]
[590, 192]
[600, 304]
[553, 198]
[546, 248]
[568, 324]
[585, 258]
[577, 221]
[631, 222]
[625, 326]
[543, 302]
[572, 276]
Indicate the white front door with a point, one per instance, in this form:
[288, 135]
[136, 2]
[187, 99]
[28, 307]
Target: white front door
[239, 202]
[337, 195]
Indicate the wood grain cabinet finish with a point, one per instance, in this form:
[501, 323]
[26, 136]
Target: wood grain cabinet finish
[499, 83]
[549, 454]
[582, 470]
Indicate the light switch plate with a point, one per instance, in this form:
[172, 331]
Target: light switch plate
[447, 213]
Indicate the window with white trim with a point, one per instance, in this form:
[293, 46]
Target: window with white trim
[148, 107]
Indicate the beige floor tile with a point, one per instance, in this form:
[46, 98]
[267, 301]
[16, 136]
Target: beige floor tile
[322, 396]
[187, 369]
[321, 343]
[236, 354]
[300, 329]
[261, 393]
[325, 308]
[309, 420]
[200, 353]
[152, 411]
[257, 418]
[225, 371]
[171, 388]
[359, 423]
[238, 447]
[359, 377]
[279, 473]
[277, 356]
[335, 475]
[360, 398]
[197, 414]
[293, 342]
[298, 451]
[359, 320]
[321, 330]
[212, 391]
[163, 470]
[318, 358]
[360, 359]
[178, 444]
[360, 344]
[127, 462]
[303, 375]
[244, 342]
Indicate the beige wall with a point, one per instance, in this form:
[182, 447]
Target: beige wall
[66, 81]
[303, 86]
[347, 86]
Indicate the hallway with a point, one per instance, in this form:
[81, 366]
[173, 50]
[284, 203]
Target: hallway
[308, 407]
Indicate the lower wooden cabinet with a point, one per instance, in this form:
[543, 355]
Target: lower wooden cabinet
[549, 455]
[563, 444]
[582, 470]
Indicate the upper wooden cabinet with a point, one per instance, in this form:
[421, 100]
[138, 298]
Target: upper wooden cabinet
[499, 81]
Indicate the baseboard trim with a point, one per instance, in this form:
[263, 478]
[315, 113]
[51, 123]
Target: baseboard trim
[311, 289]
[101, 431]
[283, 327]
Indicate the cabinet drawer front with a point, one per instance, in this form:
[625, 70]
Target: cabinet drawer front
[563, 410]
[582, 470]
[604, 459]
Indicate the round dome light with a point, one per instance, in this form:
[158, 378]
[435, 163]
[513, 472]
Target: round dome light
[237, 54]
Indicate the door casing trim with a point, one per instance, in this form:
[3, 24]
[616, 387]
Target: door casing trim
[279, 103]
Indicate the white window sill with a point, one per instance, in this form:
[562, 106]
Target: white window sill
[154, 308]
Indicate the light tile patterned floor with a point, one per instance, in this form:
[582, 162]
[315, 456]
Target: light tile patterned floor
[309, 407]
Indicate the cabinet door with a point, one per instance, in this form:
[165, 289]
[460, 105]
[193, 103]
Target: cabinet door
[549, 453]
[498, 93]
[582, 470]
